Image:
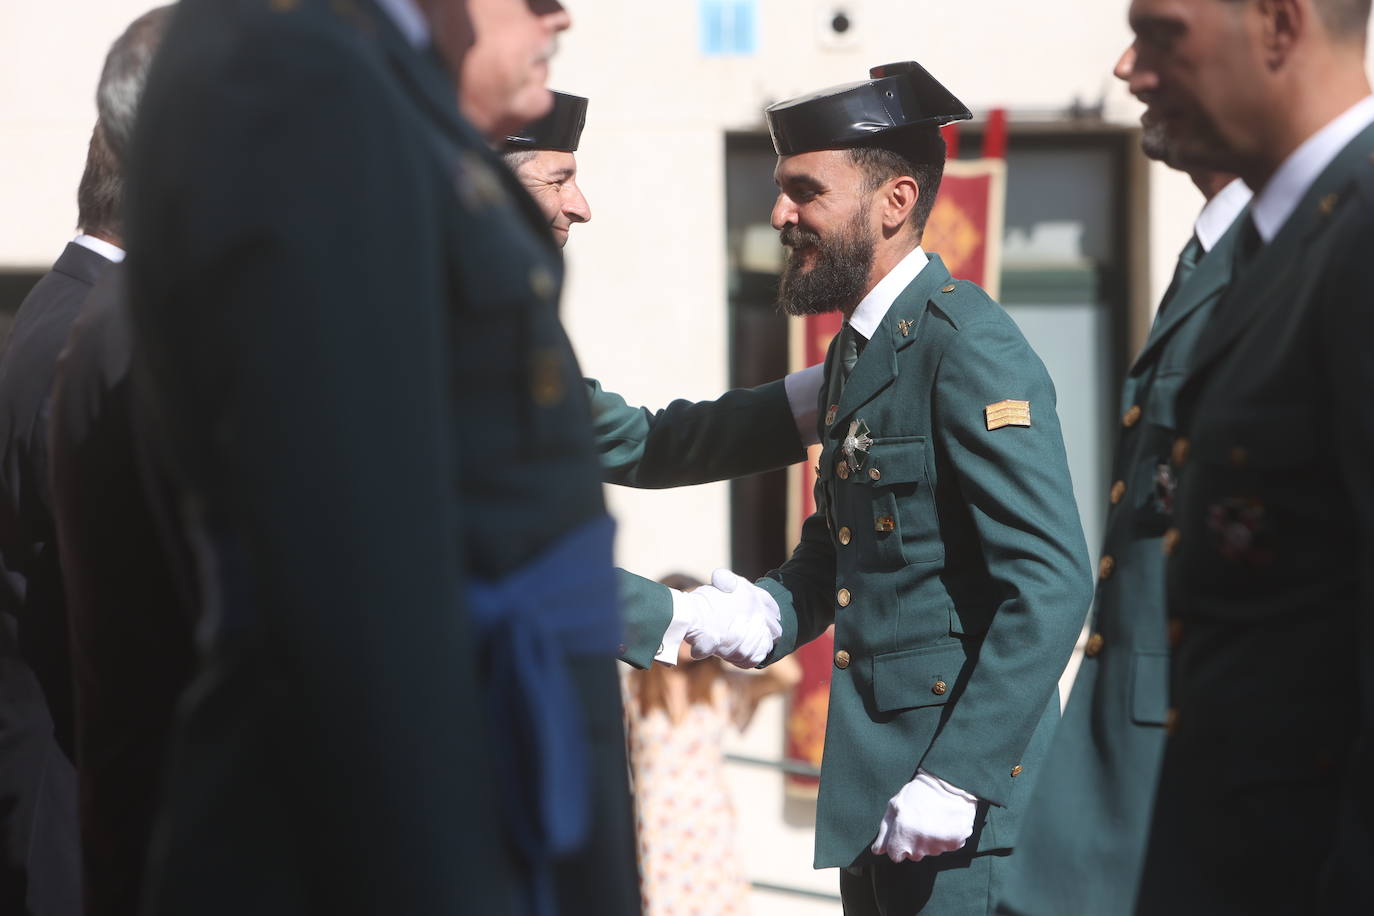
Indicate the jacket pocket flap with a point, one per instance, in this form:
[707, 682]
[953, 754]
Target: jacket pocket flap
[898, 460]
[916, 677]
[1150, 688]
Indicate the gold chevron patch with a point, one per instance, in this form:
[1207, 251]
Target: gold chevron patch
[1007, 413]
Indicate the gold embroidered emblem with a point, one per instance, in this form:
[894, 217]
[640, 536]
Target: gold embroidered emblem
[904, 326]
[1007, 413]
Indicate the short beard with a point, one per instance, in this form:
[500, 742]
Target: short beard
[839, 276]
[1203, 148]
[1154, 143]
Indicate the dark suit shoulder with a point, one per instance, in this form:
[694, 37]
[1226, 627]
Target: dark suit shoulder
[38, 334]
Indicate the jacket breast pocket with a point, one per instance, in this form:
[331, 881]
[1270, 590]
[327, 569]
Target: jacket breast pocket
[905, 526]
[912, 678]
[1161, 402]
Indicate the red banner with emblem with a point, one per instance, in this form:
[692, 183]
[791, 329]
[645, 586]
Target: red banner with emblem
[965, 229]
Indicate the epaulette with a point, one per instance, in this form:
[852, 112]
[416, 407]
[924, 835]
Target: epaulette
[962, 302]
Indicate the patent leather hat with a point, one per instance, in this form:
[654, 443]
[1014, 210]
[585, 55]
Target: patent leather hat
[560, 129]
[895, 97]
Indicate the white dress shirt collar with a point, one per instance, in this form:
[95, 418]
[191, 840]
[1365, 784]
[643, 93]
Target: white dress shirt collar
[1280, 197]
[1220, 212]
[408, 19]
[873, 309]
[101, 247]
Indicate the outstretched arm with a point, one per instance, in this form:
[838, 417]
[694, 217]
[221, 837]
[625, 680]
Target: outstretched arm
[744, 431]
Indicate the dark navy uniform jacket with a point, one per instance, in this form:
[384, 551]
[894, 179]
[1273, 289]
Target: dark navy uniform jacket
[349, 357]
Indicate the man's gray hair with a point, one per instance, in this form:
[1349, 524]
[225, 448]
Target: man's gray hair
[517, 157]
[125, 74]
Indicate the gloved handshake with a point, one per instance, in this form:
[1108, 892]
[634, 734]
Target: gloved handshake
[732, 618]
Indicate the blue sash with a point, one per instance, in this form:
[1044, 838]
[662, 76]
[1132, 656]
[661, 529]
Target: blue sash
[562, 604]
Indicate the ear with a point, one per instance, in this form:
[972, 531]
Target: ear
[1282, 24]
[899, 197]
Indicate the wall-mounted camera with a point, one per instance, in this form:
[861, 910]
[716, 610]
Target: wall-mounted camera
[837, 24]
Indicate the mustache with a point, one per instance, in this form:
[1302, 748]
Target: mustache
[797, 237]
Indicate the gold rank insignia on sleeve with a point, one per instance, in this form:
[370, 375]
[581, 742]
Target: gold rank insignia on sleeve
[1007, 413]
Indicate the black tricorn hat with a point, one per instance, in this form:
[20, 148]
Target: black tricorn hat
[560, 129]
[895, 96]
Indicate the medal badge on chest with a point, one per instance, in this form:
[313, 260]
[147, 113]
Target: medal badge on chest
[857, 444]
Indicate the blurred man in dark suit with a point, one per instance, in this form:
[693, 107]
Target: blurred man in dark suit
[39, 846]
[130, 636]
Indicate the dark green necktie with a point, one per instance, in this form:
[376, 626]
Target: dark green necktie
[1248, 244]
[1187, 263]
[851, 345]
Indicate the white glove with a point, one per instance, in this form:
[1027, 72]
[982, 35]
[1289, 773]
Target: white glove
[733, 618]
[927, 817]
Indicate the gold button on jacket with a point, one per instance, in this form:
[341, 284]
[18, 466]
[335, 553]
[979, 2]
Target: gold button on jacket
[1179, 455]
[1132, 416]
[845, 536]
[842, 659]
[843, 597]
[1106, 566]
[940, 688]
[1118, 492]
[1094, 646]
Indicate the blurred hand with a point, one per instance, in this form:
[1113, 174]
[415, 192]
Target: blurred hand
[926, 818]
[734, 619]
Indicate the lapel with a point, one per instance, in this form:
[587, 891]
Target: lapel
[1261, 285]
[877, 365]
[1209, 279]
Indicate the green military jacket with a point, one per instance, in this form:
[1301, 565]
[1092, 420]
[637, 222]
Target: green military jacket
[950, 557]
[1271, 580]
[1084, 831]
[744, 431]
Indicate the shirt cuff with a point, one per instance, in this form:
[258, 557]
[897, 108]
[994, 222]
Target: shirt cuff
[677, 629]
[803, 396]
[948, 787]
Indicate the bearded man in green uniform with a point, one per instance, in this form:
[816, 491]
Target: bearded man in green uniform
[946, 547]
[1084, 832]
